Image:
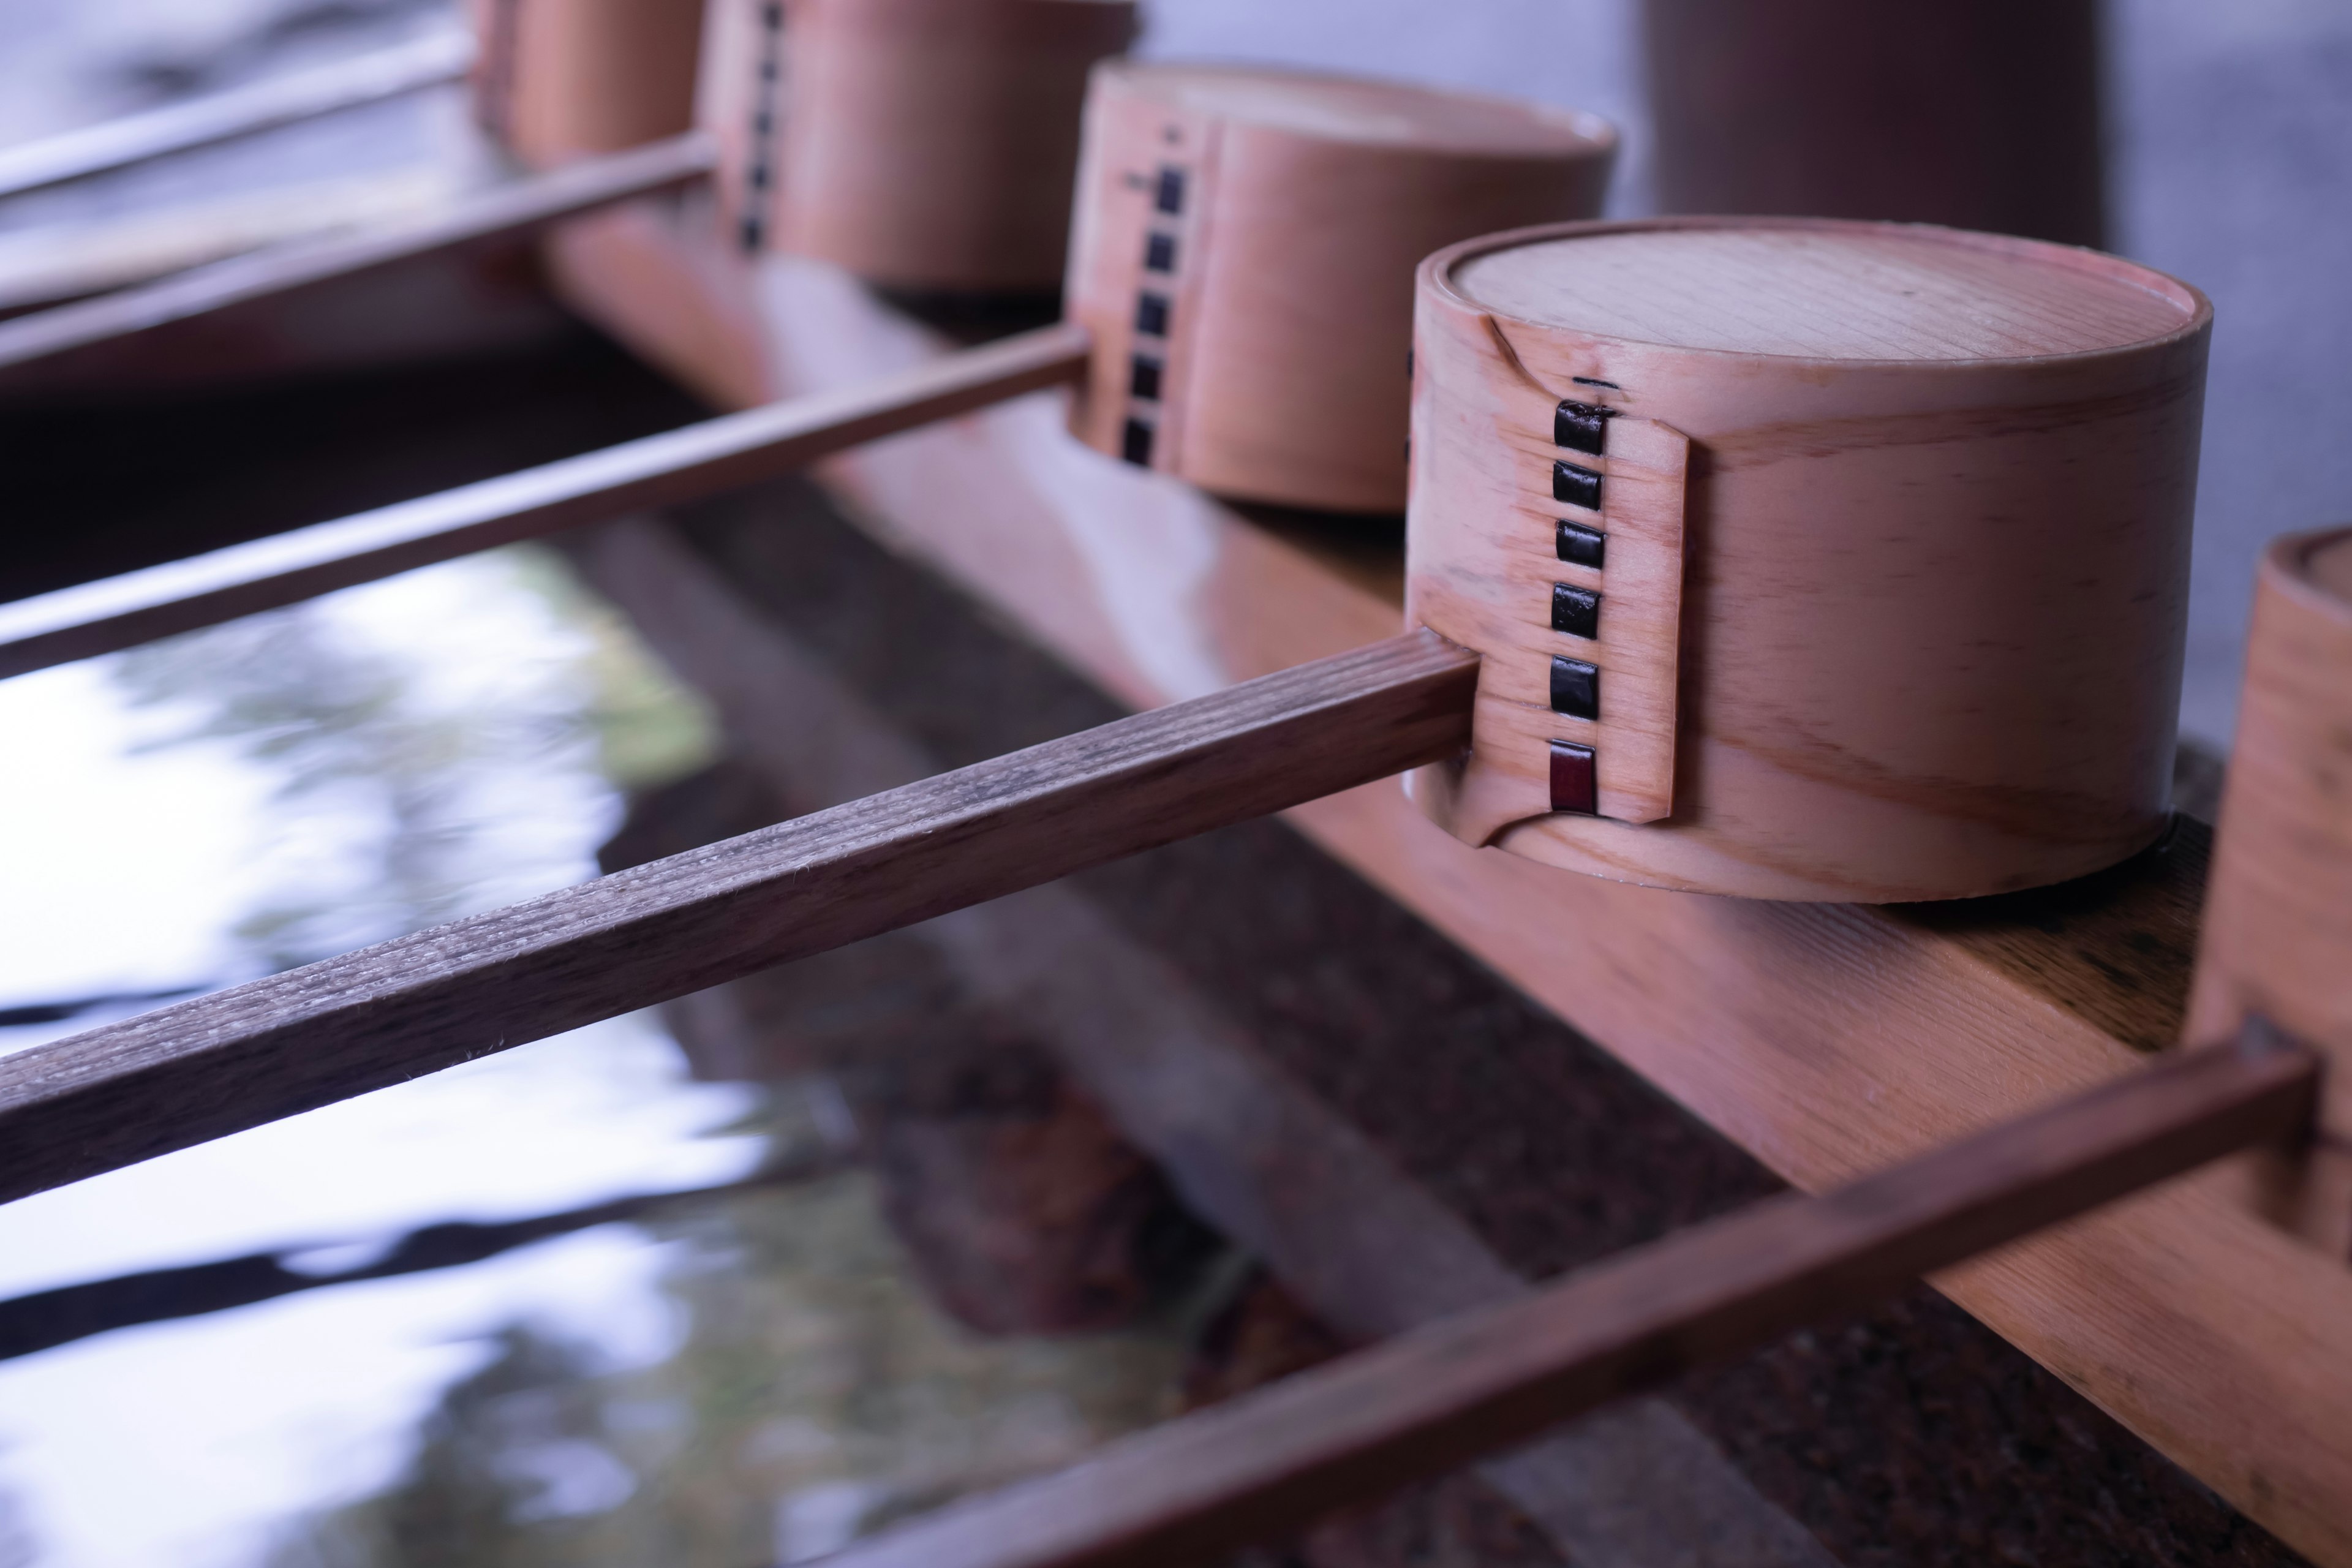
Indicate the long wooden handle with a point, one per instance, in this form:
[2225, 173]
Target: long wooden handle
[421, 63]
[511, 208]
[657, 470]
[221, 1063]
[1425, 1403]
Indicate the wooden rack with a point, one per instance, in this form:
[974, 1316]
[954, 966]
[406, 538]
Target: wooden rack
[1837, 1042]
[1827, 1041]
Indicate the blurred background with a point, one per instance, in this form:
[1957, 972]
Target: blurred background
[737, 1290]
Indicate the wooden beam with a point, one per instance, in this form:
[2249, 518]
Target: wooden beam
[1428, 1400]
[330, 1030]
[513, 208]
[673, 467]
[440, 57]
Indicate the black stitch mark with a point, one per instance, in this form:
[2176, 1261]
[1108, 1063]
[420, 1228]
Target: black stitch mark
[1170, 196]
[1573, 783]
[1575, 689]
[1151, 315]
[1589, 380]
[1575, 611]
[1143, 378]
[1134, 443]
[753, 230]
[1578, 545]
[1160, 253]
[1581, 427]
[1576, 485]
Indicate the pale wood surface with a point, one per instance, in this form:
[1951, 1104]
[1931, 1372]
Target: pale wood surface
[1932, 616]
[2211, 1334]
[329, 1030]
[1418, 1406]
[1866, 293]
[2279, 933]
[569, 78]
[924, 144]
[130, 138]
[511, 209]
[669, 469]
[1306, 203]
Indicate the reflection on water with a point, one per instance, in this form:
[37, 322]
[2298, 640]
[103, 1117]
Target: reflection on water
[814, 1397]
[415, 783]
[561, 1372]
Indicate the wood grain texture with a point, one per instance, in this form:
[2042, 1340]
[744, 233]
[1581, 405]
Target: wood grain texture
[665, 470]
[118, 144]
[923, 144]
[1841, 293]
[1421, 1405]
[2278, 935]
[1826, 1039]
[570, 79]
[1483, 559]
[329, 1030]
[1938, 507]
[1306, 203]
[510, 209]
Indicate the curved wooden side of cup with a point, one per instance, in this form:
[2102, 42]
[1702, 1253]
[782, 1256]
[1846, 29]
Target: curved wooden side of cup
[2278, 911]
[1282, 369]
[1930, 622]
[560, 79]
[930, 144]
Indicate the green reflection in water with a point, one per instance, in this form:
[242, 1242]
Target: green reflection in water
[427, 767]
[816, 1396]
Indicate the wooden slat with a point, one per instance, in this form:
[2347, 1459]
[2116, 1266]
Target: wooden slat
[276, 1046]
[1423, 1404]
[674, 465]
[512, 208]
[116, 143]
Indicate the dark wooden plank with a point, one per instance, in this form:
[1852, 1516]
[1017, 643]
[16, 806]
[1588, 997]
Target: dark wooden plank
[1425, 1403]
[656, 470]
[276, 1046]
[508, 209]
[441, 56]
